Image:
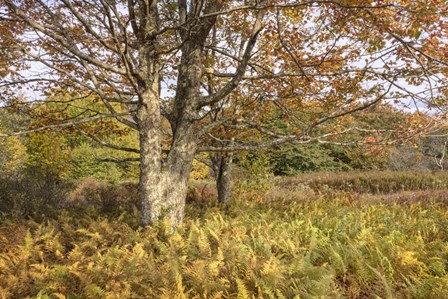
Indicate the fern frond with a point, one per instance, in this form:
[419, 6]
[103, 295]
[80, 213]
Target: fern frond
[243, 293]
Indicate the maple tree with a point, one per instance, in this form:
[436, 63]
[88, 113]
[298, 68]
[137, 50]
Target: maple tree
[205, 75]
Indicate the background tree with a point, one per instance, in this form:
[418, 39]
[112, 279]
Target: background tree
[147, 62]
[12, 151]
[435, 147]
[12, 156]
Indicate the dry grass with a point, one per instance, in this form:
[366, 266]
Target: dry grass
[368, 182]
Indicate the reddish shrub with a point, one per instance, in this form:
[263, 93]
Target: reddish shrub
[91, 192]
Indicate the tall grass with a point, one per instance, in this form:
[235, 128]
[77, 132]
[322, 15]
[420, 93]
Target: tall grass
[370, 182]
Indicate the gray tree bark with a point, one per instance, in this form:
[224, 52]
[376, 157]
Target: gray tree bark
[163, 186]
[222, 169]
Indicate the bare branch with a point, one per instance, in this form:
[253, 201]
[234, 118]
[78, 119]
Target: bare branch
[61, 125]
[241, 69]
[124, 160]
[106, 144]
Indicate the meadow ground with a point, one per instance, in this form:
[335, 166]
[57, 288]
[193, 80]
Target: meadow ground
[314, 236]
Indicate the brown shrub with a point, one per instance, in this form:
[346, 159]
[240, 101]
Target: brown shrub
[27, 195]
[201, 193]
[92, 192]
[376, 182]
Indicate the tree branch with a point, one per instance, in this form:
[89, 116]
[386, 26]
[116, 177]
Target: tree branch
[124, 160]
[106, 144]
[241, 69]
[61, 125]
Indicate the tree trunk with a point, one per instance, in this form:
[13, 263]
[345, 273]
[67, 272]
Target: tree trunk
[177, 171]
[148, 119]
[222, 168]
[150, 184]
[163, 188]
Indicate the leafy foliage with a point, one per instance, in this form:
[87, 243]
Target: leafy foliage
[199, 170]
[85, 163]
[291, 160]
[12, 156]
[12, 151]
[48, 154]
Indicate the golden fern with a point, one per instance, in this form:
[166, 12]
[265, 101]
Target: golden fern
[242, 292]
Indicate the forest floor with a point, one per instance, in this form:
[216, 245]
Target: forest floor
[358, 235]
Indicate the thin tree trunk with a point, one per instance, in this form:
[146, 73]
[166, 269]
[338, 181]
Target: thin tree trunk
[222, 168]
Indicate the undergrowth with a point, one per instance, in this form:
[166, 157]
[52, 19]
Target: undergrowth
[254, 248]
[376, 182]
